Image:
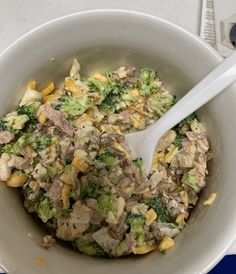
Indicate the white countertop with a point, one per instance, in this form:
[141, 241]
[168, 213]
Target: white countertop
[19, 16]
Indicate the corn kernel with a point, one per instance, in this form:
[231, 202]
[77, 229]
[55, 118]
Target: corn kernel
[120, 148]
[58, 92]
[34, 185]
[145, 248]
[128, 189]
[70, 85]
[110, 129]
[137, 122]
[191, 149]
[150, 217]
[139, 108]
[155, 158]
[49, 89]
[39, 261]
[51, 97]
[184, 198]
[180, 218]
[170, 155]
[83, 118]
[17, 179]
[42, 118]
[99, 77]
[166, 243]
[79, 164]
[59, 167]
[31, 84]
[65, 196]
[135, 92]
[160, 156]
[211, 199]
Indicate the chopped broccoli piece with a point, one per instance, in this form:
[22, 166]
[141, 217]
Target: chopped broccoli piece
[108, 158]
[139, 164]
[15, 148]
[14, 123]
[61, 213]
[43, 142]
[128, 97]
[162, 213]
[184, 125]
[190, 180]
[113, 100]
[147, 75]
[160, 103]
[110, 93]
[137, 223]
[3, 124]
[29, 110]
[188, 120]
[94, 84]
[86, 245]
[111, 104]
[122, 248]
[51, 172]
[178, 141]
[45, 209]
[74, 106]
[89, 190]
[106, 202]
[147, 82]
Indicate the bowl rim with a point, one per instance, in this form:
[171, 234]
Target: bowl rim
[23, 38]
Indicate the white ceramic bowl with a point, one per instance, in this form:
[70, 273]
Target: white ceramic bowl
[104, 39]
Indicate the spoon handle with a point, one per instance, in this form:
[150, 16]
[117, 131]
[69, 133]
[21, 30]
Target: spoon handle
[215, 82]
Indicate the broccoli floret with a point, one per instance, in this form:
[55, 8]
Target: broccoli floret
[15, 148]
[184, 125]
[181, 128]
[86, 245]
[110, 94]
[162, 213]
[108, 158]
[122, 248]
[13, 123]
[188, 120]
[94, 84]
[45, 209]
[128, 97]
[147, 82]
[30, 111]
[160, 103]
[112, 97]
[190, 180]
[137, 223]
[139, 164]
[74, 106]
[147, 75]
[43, 142]
[178, 141]
[89, 190]
[3, 124]
[51, 172]
[106, 202]
[109, 104]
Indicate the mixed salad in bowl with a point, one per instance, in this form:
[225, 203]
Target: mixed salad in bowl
[64, 147]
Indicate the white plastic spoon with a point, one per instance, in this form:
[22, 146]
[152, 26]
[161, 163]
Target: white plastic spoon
[142, 144]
